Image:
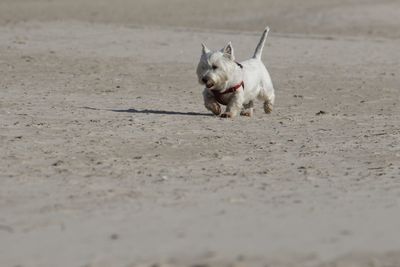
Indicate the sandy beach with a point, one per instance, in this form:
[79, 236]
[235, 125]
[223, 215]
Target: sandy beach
[109, 158]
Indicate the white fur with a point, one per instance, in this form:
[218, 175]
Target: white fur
[218, 71]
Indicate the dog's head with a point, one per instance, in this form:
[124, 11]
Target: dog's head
[215, 67]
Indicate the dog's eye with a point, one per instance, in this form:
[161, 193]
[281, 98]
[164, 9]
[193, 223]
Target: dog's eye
[214, 67]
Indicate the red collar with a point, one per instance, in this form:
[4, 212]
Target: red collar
[218, 94]
[229, 90]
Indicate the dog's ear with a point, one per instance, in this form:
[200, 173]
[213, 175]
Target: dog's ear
[205, 49]
[228, 51]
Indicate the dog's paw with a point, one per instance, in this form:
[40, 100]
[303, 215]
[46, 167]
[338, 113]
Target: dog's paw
[247, 113]
[267, 107]
[226, 115]
[215, 108]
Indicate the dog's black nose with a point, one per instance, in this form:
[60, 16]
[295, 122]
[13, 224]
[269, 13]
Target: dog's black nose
[204, 79]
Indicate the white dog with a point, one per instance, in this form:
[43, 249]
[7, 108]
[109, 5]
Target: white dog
[234, 84]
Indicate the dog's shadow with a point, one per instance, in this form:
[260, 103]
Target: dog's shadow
[152, 111]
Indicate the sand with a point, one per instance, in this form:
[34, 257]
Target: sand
[108, 157]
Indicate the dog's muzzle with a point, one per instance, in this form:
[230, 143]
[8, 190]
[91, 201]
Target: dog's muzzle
[208, 82]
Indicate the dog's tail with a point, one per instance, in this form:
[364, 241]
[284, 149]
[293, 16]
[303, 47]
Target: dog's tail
[260, 46]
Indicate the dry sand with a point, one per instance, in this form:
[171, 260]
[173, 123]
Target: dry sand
[108, 157]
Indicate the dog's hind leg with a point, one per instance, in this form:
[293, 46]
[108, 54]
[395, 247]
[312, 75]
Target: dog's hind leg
[268, 96]
[268, 103]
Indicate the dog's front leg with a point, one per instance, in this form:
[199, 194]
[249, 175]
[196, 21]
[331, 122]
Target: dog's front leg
[247, 109]
[234, 106]
[210, 103]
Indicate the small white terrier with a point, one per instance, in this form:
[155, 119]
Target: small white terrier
[235, 84]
